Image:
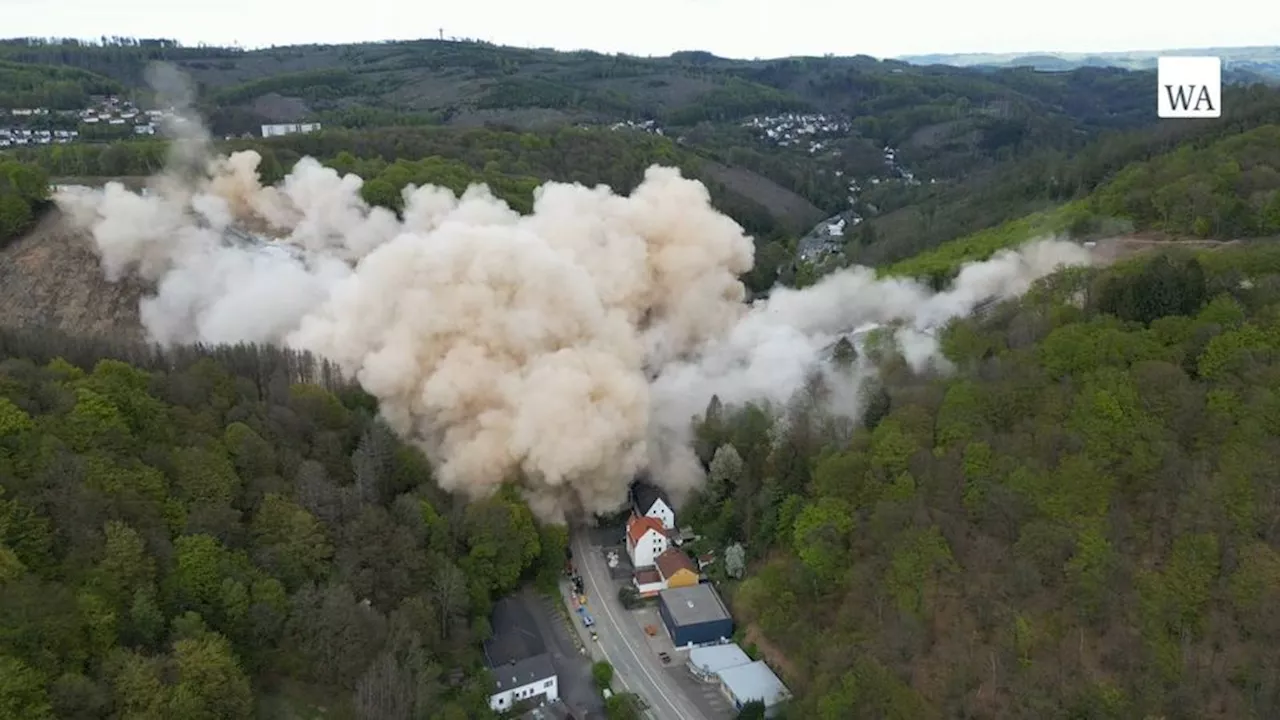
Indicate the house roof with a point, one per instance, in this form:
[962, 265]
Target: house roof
[523, 672]
[648, 576]
[638, 525]
[754, 681]
[714, 658]
[672, 561]
[644, 495]
[693, 605]
[515, 634]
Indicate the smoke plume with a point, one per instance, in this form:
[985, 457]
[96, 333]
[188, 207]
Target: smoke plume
[566, 349]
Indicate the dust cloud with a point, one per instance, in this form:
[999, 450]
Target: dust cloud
[566, 349]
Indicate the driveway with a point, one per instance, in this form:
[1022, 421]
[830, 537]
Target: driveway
[624, 644]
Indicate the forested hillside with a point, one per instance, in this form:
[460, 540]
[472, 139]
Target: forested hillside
[219, 533]
[1226, 188]
[945, 122]
[511, 163]
[24, 194]
[913, 221]
[1077, 523]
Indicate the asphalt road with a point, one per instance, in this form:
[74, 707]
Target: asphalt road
[622, 641]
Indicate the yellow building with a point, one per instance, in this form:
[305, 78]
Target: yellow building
[676, 569]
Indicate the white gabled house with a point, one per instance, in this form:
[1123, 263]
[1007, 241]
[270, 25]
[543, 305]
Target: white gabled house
[650, 501]
[533, 679]
[646, 540]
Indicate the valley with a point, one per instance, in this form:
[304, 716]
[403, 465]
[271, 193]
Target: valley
[961, 379]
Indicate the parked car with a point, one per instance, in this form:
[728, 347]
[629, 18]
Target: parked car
[664, 657]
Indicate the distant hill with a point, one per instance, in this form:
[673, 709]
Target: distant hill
[944, 120]
[1240, 64]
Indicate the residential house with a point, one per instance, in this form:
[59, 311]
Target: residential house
[648, 582]
[672, 569]
[676, 569]
[517, 658]
[646, 540]
[532, 679]
[650, 501]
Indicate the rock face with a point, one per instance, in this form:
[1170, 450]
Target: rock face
[51, 278]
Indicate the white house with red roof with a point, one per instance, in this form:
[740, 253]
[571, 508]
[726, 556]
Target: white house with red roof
[646, 540]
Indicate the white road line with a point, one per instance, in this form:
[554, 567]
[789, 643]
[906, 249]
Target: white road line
[626, 644]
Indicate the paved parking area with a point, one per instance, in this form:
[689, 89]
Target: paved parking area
[706, 696]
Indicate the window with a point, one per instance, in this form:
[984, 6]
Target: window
[548, 683]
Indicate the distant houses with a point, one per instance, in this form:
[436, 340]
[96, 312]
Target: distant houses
[116, 117]
[42, 126]
[280, 129]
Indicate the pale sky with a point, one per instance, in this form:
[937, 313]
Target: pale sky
[730, 28]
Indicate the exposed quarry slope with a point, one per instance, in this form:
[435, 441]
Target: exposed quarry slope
[51, 278]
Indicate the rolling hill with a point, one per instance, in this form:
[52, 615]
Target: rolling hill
[1240, 63]
[944, 121]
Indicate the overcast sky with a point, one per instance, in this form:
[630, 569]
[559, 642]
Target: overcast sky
[731, 28]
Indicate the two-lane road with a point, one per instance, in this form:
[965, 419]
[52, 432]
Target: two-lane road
[621, 640]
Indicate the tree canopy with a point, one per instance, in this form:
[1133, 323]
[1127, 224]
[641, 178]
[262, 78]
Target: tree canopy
[220, 532]
[1077, 522]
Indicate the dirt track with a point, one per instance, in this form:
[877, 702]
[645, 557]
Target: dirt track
[1119, 248]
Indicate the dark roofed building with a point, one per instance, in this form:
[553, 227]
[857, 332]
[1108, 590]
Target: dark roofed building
[523, 672]
[649, 500]
[695, 615]
[515, 635]
[521, 667]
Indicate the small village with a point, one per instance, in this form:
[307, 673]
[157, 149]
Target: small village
[808, 131]
[652, 597]
[42, 126]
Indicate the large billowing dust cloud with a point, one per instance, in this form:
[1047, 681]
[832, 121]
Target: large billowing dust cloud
[566, 349]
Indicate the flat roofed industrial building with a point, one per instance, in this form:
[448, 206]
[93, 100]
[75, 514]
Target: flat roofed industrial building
[754, 681]
[695, 615]
[706, 662]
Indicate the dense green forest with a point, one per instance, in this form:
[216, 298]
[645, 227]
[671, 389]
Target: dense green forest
[24, 194]
[230, 533]
[912, 221]
[1079, 522]
[1227, 190]
[946, 121]
[46, 86]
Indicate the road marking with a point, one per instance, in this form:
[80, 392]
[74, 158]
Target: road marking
[622, 637]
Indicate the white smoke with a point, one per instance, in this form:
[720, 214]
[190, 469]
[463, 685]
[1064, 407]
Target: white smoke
[777, 345]
[566, 349]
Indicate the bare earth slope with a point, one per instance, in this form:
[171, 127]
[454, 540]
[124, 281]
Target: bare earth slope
[51, 278]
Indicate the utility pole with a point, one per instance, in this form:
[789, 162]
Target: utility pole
[442, 33]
